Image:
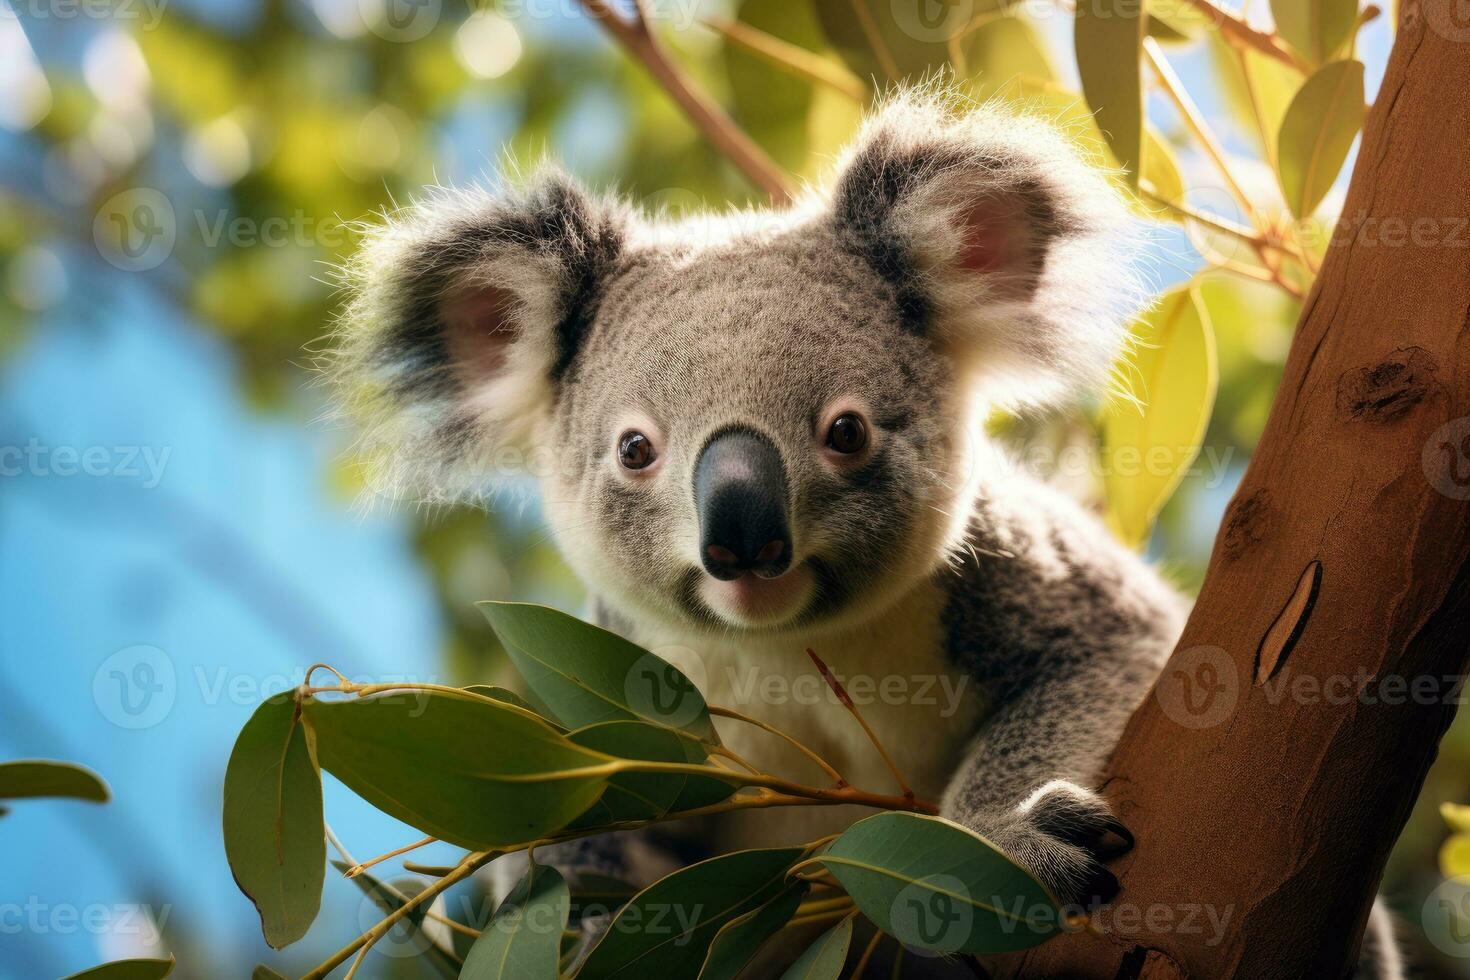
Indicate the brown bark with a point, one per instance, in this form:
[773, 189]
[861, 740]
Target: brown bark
[1343, 556]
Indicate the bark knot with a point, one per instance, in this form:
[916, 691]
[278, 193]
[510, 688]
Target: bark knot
[1386, 390]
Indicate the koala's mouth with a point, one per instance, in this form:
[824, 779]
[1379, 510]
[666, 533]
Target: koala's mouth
[753, 600]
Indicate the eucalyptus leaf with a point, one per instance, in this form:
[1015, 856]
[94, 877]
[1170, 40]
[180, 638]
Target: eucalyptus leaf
[666, 929]
[389, 899]
[643, 796]
[263, 972]
[1108, 36]
[1149, 445]
[1454, 856]
[1161, 170]
[32, 778]
[738, 940]
[139, 969]
[934, 885]
[1318, 29]
[824, 958]
[497, 693]
[1317, 133]
[523, 940]
[586, 674]
[273, 830]
[1007, 50]
[470, 771]
[1457, 815]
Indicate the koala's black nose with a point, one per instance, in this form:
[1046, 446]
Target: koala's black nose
[740, 496]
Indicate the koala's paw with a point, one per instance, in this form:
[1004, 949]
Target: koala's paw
[1062, 834]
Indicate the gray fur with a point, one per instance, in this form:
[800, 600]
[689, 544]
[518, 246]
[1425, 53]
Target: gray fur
[958, 262]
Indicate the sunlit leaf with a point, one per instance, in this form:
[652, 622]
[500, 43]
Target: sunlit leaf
[523, 940]
[1258, 90]
[824, 958]
[273, 832]
[1454, 856]
[1005, 50]
[1457, 815]
[140, 969]
[665, 930]
[586, 674]
[1161, 171]
[1317, 133]
[934, 885]
[1109, 43]
[1148, 447]
[389, 899]
[1175, 21]
[737, 942]
[1318, 29]
[470, 771]
[30, 778]
[641, 796]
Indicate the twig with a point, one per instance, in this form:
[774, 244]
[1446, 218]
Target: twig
[842, 696]
[467, 867]
[358, 869]
[1195, 120]
[803, 749]
[1237, 31]
[867, 957]
[875, 40]
[717, 126]
[793, 58]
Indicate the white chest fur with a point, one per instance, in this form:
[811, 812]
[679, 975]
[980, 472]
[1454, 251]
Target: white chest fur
[895, 670]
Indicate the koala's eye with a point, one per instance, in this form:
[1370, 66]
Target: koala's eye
[635, 450]
[848, 434]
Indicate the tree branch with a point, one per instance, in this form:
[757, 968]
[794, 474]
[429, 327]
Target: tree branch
[639, 40]
[1237, 31]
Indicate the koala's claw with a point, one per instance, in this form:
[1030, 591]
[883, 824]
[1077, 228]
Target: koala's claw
[1062, 834]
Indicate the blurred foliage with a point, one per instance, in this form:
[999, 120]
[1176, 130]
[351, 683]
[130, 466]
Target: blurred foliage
[266, 125]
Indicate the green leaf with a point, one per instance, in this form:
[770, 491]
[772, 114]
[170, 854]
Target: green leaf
[273, 832]
[389, 899]
[642, 796]
[128, 970]
[586, 674]
[1318, 29]
[470, 771]
[932, 884]
[31, 778]
[502, 694]
[1457, 815]
[1108, 36]
[738, 940]
[1317, 133]
[1249, 79]
[1175, 21]
[665, 930]
[1148, 447]
[523, 940]
[263, 972]
[824, 958]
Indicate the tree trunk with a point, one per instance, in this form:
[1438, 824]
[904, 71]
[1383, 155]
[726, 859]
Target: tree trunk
[1274, 764]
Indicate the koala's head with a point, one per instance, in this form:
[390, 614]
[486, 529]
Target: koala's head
[765, 420]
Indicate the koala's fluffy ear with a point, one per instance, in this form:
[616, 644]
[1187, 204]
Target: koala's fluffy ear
[464, 311]
[998, 241]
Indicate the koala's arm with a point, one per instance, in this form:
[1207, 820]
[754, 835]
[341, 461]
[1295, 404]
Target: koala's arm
[1065, 630]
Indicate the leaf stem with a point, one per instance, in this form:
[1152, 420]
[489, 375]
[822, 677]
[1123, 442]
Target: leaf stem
[358, 869]
[471, 864]
[771, 729]
[846, 700]
[790, 57]
[862, 964]
[1235, 29]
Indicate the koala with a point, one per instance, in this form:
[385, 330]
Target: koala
[760, 432]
